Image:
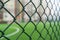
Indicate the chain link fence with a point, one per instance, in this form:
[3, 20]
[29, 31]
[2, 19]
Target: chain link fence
[37, 12]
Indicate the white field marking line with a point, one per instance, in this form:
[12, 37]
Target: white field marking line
[9, 35]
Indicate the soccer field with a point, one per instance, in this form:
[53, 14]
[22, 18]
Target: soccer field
[47, 31]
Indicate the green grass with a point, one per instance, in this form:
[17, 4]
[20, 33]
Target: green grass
[30, 28]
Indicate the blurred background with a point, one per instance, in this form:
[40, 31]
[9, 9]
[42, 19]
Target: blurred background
[44, 9]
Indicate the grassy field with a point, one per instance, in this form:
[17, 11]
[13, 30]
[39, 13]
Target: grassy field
[52, 30]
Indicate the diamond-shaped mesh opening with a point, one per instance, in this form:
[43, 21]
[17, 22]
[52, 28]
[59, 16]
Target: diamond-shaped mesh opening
[35, 18]
[47, 25]
[30, 9]
[40, 27]
[47, 12]
[58, 8]
[52, 12]
[50, 30]
[50, 18]
[52, 24]
[44, 33]
[29, 29]
[40, 10]
[56, 13]
[57, 18]
[54, 18]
